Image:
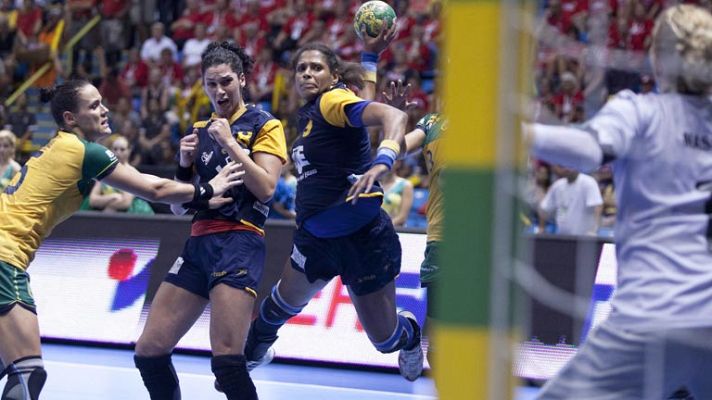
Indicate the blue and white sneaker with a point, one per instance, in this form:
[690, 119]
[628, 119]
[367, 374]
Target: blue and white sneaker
[410, 362]
[264, 360]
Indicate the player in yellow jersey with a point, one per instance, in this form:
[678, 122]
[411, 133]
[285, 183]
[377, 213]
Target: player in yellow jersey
[48, 189]
[426, 138]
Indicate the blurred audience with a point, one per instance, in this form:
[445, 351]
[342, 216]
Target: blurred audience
[106, 198]
[397, 196]
[145, 57]
[8, 166]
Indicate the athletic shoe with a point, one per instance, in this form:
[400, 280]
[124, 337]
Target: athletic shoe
[264, 360]
[410, 361]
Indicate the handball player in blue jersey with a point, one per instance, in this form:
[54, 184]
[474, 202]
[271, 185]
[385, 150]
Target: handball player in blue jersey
[341, 229]
[657, 336]
[223, 260]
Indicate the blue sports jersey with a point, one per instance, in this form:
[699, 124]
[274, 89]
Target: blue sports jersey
[255, 131]
[332, 145]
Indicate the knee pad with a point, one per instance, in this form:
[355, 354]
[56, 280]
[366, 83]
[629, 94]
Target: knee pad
[406, 335]
[159, 376]
[233, 378]
[25, 379]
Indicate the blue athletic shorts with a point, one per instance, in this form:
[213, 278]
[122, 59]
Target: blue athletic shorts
[234, 258]
[367, 260]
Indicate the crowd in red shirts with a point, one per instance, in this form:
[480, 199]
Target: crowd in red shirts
[590, 49]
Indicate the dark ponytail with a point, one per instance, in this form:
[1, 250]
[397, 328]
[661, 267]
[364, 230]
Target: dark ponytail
[351, 74]
[226, 53]
[63, 97]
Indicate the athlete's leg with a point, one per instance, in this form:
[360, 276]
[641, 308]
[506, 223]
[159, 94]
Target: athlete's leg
[688, 360]
[612, 364]
[173, 312]
[429, 273]
[21, 354]
[429, 321]
[288, 298]
[19, 335]
[389, 331]
[230, 316]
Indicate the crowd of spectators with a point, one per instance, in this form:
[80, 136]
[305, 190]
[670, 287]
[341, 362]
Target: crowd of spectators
[587, 51]
[145, 58]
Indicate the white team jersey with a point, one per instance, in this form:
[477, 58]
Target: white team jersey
[663, 178]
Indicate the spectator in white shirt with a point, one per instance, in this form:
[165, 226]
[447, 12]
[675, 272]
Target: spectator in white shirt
[194, 47]
[152, 47]
[576, 202]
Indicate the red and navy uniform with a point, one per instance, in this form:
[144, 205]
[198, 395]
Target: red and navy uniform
[227, 244]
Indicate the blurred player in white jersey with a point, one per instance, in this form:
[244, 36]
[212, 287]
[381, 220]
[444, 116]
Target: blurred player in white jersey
[658, 336]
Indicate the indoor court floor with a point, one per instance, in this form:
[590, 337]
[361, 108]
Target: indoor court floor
[91, 373]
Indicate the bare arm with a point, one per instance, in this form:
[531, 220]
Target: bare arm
[597, 217]
[281, 210]
[393, 122]
[100, 201]
[123, 203]
[414, 140]
[261, 170]
[374, 46]
[406, 204]
[161, 190]
[543, 216]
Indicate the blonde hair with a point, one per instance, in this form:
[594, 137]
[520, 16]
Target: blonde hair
[6, 134]
[682, 48]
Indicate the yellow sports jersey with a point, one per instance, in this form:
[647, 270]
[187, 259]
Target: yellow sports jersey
[49, 188]
[433, 125]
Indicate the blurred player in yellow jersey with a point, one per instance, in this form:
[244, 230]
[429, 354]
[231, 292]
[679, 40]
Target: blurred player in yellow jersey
[426, 138]
[48, 189]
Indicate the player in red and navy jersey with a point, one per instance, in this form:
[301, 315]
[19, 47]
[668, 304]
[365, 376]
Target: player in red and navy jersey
[223, 260]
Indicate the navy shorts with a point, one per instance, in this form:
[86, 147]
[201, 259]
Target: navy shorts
[367, 260]
[235, 258]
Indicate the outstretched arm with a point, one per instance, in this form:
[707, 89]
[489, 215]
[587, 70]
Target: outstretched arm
[564, 145]
[161, 190]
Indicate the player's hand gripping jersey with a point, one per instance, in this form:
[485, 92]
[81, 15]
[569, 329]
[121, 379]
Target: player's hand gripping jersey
[49, 189]
[333, 145]
[664, 207]
[255, 131]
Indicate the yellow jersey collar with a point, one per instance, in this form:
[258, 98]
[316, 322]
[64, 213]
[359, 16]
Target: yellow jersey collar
[234, 116]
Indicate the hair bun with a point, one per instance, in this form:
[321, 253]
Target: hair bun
[46, 95]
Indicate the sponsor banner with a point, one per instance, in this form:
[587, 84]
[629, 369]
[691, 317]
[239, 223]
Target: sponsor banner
[537, 360]
[91, 289]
